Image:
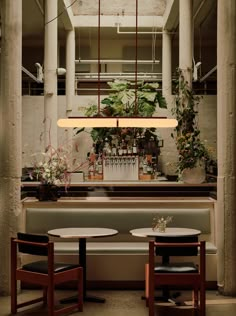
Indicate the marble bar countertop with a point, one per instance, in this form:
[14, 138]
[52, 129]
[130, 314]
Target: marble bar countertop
[127, 183]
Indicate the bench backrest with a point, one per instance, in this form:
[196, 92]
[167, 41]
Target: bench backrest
[40, 220]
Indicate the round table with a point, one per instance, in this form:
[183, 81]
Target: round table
[169, 232]
[82, 233]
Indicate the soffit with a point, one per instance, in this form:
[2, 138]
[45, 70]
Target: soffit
[119, 7]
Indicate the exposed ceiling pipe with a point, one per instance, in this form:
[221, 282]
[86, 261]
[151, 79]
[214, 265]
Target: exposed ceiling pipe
[115, 61]
[133, 32]
[40, 7]
[198, 9]
[94, 74]
[208, 74]
[31, 75]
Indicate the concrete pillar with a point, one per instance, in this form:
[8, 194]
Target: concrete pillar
[11, 149]
[186, 38]
[50, 73]
[70, 77]
[166, 65]
[226, 144]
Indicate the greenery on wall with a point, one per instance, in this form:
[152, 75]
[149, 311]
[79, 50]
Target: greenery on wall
[191, 149]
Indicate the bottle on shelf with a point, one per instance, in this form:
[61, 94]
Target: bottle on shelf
[107, 148]
[120, 150]
[134, 148]
[129, 150]
[91, 171]
[114, 150]
[145, 165]
[124, 148]
[99, 165]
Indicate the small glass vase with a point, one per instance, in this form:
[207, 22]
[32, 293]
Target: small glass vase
[162, 227]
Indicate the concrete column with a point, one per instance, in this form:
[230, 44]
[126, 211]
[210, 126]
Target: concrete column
[11, 149]
[226, 144]
[186, 38]
[50, 73]
[70, 77]
[166, 65]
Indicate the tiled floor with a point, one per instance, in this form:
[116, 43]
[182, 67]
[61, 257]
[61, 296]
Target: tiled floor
[128, 303]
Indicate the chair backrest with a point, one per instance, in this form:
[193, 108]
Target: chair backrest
[156, 246]
[32, 248]
[177, 251]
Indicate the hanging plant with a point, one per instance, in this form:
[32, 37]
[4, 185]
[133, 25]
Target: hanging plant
[191, 150]
[127, 100]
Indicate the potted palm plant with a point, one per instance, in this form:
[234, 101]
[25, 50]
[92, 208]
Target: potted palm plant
[192, 152]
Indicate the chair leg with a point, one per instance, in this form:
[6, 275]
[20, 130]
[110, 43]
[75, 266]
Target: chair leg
[80, 290]
[13, 296]
[45, 295]
[151, 294]
[50, 299]
[202, 301]
[147, 283]
[195, 298]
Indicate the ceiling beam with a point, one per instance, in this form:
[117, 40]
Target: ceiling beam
[67, 16]
[171, 15]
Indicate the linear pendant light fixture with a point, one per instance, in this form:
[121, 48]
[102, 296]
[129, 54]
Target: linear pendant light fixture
[124, 122]
[96, 122]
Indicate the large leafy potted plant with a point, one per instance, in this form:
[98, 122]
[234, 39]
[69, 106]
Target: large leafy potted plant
[192, 152]
[127, 99]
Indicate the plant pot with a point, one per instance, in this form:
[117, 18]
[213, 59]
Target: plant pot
[195, 175]
[47, 192]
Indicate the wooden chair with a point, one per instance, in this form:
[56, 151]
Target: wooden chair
[181, 274]
[45, 273]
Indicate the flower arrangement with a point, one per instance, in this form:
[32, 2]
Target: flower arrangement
[54, 167]
[160, 223]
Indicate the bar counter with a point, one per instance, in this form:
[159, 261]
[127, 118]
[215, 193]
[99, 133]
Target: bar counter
[135, 189]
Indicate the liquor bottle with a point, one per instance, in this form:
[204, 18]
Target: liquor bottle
[120, 150]
[91, 171]
[114, 150]
[99, 165]
[129, 150]
[107, 148]
[124, 148]
[145, 166]
[134, 149]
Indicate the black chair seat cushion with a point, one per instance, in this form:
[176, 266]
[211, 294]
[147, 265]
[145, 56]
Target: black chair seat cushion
[179, 267]
[42, 267]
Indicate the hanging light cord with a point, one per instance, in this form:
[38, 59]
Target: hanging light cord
[99, 53]
[136, 61]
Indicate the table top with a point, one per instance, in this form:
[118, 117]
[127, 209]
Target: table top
[82, 232]
[169, 232]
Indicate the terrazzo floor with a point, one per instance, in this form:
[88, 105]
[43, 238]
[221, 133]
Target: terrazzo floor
[128, 303]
